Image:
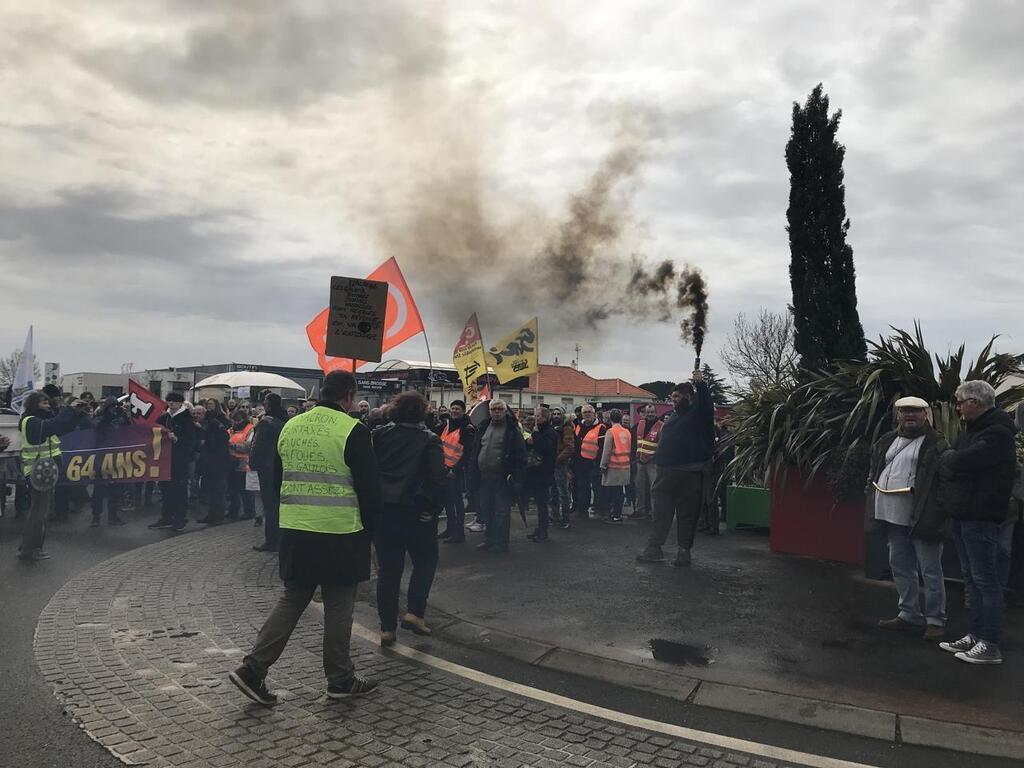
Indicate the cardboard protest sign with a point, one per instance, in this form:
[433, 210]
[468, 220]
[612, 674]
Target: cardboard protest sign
[401, 321]
[355, 323]
[128, 454]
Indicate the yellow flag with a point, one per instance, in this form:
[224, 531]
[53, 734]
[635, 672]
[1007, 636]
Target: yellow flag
[468, 357]
[517, 354]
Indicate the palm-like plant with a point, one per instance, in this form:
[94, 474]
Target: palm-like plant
[828, 419]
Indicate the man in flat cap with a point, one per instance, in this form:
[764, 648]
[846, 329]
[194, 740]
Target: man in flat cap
[903, 498]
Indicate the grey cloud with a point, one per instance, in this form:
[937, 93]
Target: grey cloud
[185, 264]
[267, 54]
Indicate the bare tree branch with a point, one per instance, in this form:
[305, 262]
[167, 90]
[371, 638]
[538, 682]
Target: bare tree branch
[760, 353]
[9, 367]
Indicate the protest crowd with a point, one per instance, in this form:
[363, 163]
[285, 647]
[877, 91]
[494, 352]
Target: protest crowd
[330, 479]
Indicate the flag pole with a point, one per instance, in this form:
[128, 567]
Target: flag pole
[430, 372]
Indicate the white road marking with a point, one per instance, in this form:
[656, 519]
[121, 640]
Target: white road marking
[668, 729]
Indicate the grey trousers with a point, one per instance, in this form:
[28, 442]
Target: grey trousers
[339, 599]
[645, 475]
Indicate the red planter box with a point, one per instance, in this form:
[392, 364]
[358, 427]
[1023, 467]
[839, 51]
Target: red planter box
[807, 521]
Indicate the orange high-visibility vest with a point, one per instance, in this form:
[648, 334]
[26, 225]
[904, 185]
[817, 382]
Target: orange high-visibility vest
[647, 441]
[237, 441]
[451, 442]
[588, 447]
[622, 442]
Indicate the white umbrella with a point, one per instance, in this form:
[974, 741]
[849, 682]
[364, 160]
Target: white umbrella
[252, 379]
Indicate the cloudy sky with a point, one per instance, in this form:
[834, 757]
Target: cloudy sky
[181, 178]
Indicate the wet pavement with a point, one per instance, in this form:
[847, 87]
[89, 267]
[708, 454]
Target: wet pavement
[137, 650]
[740, 615]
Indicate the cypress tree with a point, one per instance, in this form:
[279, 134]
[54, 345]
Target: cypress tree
[826, 323]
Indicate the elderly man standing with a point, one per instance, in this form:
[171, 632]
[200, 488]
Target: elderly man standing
[980, 469]
[589, 446]
[496, 467]
[903, 498]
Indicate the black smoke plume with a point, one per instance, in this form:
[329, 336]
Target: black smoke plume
[652, 294]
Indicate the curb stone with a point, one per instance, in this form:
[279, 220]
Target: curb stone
[801, 710]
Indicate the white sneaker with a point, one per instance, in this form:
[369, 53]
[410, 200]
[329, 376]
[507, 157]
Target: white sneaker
[476, 527]
[982, 653]
[962, 645]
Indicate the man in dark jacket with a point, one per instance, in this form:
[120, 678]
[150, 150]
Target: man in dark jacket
[684, 458]
[214, 464]
[561, 499]
[181, 432]
[330, 505]
[980, 469]
[108, 416]
[457, 434]
[496, 467]
[903, 498]
[261, 460]
[540, 469]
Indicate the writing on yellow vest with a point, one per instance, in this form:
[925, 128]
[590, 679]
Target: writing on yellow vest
[316, 488]
[451, 443]
[646, 440]
[622, 442]
[588, 448]
[30, 454]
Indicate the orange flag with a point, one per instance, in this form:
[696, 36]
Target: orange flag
[401, 319]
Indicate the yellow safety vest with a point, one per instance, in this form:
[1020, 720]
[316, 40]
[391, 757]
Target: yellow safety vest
[316, 489]
[30, 454]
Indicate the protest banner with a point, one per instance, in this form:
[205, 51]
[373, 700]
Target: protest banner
[517, 354]
[468, 357]
[129, 454]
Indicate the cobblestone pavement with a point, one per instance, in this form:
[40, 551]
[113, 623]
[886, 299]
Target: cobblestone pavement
[138, 648]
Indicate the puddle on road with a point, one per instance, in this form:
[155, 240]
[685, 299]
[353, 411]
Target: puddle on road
[681, 653]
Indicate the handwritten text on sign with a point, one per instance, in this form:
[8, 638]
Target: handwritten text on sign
[355, 324]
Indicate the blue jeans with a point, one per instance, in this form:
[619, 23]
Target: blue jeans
[977, 544]
[908, 555]
[495, 499]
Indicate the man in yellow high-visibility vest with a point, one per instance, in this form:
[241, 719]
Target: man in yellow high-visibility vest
[40, 440]
[330, 503]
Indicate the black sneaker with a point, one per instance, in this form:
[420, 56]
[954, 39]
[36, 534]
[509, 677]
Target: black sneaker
[248, 683]
[179, 527]
[357, 686]
[161, 523]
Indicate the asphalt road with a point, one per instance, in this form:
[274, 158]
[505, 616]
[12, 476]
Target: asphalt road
[37, 733]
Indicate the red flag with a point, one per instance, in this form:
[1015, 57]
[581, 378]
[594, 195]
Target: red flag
[145, 407]
[401, 320]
